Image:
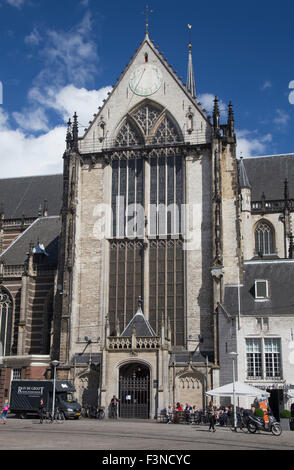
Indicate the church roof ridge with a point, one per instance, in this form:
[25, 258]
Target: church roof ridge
[269, 156]
[30, 176]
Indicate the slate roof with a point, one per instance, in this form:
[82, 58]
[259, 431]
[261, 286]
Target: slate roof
[280, 276]
[95, 358]
[143, 327]
[267, 174]
[243, 178]
[45, 230]
[23, 196]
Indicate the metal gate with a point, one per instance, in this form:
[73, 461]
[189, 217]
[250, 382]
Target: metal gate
[134, 394]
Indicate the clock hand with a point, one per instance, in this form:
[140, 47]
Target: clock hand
[140, 79]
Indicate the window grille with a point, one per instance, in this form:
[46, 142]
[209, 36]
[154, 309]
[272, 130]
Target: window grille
[254, 358]
[16, 374]
[263, 357]
[272, 358]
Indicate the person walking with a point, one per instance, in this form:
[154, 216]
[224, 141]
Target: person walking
[211, 416]
[5, 411]
[41, 410]
[113, 407]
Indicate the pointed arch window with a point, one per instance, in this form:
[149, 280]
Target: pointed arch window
[5, 322]
[146, 116]
[264, 238]
[128, 135]
[166, 133]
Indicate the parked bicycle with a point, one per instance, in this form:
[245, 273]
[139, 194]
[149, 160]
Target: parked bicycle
[58, 417]
[96, 412]
[242, 422]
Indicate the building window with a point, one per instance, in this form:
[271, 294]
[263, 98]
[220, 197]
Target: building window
[272, 358]
[5, 322]
[263, 358]
[253, 355]
[16, 374]
[264, 239]
[166, 195]
[127, 198]
[125, 281]
[261, 289]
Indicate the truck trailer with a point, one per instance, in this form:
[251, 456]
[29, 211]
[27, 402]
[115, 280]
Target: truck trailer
[26, 395]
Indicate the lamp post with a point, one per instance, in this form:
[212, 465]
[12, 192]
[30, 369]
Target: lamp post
[54, 364]
[234, 355]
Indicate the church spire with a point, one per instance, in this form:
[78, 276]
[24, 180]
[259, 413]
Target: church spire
[75, 132]
[147, 12]
[191, 79]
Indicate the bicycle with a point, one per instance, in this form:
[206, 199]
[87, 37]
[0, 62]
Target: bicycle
[100, 414]
[242, 423]
[58, 417]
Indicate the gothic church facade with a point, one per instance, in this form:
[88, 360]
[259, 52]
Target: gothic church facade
[160, 258]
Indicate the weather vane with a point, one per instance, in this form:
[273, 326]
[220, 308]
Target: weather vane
[190, 41]
[147, 12]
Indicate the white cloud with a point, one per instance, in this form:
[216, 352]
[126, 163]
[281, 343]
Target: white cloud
[207, 102]
[33, 39]
[70, 63]
[281, 118]
[32, 120]
[16, 3]
[24, 155]
[249, 144]
[70, 99]
[3, 119]
[266, 85]
[69, 56]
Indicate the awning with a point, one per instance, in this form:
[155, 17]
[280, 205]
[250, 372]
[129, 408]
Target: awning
[241, 390]
[64, 386]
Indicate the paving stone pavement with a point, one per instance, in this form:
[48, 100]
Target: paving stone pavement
[104, 435]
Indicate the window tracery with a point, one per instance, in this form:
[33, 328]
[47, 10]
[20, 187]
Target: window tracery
[166, 133]
[146, 116]
[264, 238]
[128, 136]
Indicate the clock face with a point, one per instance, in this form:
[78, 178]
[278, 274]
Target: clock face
[145, 80]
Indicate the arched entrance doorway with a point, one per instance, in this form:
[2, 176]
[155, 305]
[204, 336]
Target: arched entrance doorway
[134, 391]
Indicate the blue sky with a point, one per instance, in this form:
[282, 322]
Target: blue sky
[62, 56]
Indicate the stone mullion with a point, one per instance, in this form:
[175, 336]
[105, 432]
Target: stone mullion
[175, 289]
[125, 288]
[116, 283]
[156, 288]
[146, 250]
[22, 318]
[134, 280]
